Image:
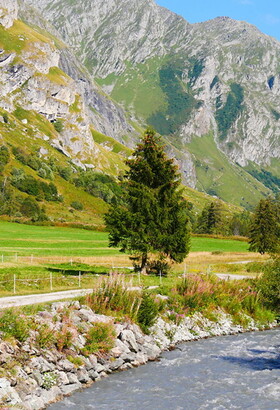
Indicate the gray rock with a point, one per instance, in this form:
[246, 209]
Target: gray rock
[83, 376]
[116, 364]
[8, 395]
[72, 378]
[93, 375]
[70, 388]
[127, 336]
[66, 366]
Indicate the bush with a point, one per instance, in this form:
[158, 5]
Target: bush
[77, 205]
[58, 125]
[269, 285]
[100, 338]
[113, 296]
[14, 325]
[147, 313]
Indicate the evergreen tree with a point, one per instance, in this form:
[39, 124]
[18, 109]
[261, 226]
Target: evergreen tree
[154, 217]
[264, 229]
[210, 220]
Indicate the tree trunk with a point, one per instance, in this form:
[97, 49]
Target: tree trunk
[143, 268]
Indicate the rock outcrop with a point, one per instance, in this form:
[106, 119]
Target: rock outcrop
[8, 12]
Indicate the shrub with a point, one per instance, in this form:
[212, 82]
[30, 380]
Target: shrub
[58, 125]
[63, 338]
[14, 325]
[100, 338]
[269, 285]
[113, 295]
[77, 205]
[45, 336]
[147, 313]
[49, 380]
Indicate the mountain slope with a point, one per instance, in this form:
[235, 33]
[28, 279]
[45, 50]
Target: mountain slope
[220, 76]
[55, 166]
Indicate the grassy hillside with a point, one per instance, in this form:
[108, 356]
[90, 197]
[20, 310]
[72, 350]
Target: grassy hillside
[218, 177]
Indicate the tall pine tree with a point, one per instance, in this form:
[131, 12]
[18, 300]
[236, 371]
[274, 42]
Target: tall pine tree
[264, 229]
[154, 218]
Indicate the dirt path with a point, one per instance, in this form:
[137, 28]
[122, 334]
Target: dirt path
[13, 301]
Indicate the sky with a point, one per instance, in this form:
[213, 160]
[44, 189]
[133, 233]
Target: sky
[265, 14]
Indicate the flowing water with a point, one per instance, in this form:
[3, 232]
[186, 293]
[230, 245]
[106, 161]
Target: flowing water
[230, 372]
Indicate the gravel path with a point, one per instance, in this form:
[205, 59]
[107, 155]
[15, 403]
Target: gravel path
[13, 301]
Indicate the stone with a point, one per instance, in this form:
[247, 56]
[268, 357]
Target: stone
[8, 395]
[66, 366]
[72, 378]
[127, 336]
[83, 376]
[116, 364]
[70, 388]
[93, 375]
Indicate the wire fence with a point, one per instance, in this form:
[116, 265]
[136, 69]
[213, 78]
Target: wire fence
[57, 259]
[17, 284]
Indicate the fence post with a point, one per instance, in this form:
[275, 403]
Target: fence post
[2, 258]
[14, 284]
[31, 259]
[71, 262]
[160, 277]
[79, 279]
[51, 284]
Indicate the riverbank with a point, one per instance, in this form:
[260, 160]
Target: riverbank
[57, 357]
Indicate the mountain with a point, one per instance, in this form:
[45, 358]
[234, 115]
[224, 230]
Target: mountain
[210, 88]
[58, 162]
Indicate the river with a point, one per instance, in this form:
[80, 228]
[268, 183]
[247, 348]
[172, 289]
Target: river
[230, 372]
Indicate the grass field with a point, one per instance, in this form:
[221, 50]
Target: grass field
[51, 258]
[26, 240]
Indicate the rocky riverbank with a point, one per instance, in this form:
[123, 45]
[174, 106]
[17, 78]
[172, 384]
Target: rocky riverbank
[32, 376]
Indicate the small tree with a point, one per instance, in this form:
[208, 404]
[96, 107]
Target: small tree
[264, 229]
[153, 218]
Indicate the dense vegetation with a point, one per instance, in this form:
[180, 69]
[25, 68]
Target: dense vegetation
[267, 178]
[180, 100]
[228, 114]
[154, 218]
[35, 176]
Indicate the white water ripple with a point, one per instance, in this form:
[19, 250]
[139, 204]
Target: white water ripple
[231, 372]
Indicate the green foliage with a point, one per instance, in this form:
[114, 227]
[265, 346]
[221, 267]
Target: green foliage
[269, 285]
[45, 337]
[58, 125]
[228, 114]
[264, 229]
[240, 224]
[99, 185]
[267, 178]
[147, 313]
[100, 338]
[14, 325]
[49, 380]
[77, 205]
[214, 82]
[33, 186]
[113, 295]
[197, 66]
[154, 217]
[275, 114]
[180, 101]
[212, 220]
[4, 157]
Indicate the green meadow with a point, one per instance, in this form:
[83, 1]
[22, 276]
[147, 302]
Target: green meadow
[27, 240]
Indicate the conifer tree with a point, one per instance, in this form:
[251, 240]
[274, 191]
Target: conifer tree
[264, 229]
[154, 217]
